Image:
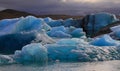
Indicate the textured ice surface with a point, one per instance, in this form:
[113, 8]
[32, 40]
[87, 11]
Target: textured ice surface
[67, 42]
[59, 34]
[15, 41]
[60, 31]
[77, 33]
[31, 34]
[115, 28]
[23, 24]
[47, 19]
[68, 22]
[5, 59]
[7, 25]
[32, 53]
[116, 31]
[104, 40]
[43, 38]
[28, 24]
[98, 21]
[80, 50]
[56, 23]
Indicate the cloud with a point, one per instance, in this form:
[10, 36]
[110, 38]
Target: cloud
[57, 6]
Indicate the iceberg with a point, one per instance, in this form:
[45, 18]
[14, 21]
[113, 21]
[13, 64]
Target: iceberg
[27, 24]
[94, 22]
[80, 50]
[32, 53]
[104, 40]
[7, 25]
[15, 41]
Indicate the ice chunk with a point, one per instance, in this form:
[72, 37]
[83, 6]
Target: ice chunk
[116, 31]
[5, 59]
[56, 23]
[59, 34]
[28, 24]
[43, 38]
[77, 33]
[105, 40]
[7, 25]
[94, 22]
[68, 22]
[47, 19]
[60, 31]
[32, 53]
[61, 52]
[60, 28]
[15, 41]
[68, 42]
[115, 28]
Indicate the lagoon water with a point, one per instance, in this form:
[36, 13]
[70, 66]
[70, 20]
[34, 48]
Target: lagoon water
[76, 66]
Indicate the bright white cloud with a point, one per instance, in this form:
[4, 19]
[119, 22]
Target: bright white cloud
[92, 1]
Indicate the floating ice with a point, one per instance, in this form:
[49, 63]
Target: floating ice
[115, 28]
[48, 19]
[5, 59]
[43, 38]
[116, 31]
[69, 22]
[78, 33]
[60, 32]
[30, 23]
[7, 25]
[105, 40]
[94, 22]
[80, 50]
[68, 42]
[60, 52]
[15, 41]
[56, 23]
[32, 53]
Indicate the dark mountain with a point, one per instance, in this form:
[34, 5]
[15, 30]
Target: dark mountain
[10, 13]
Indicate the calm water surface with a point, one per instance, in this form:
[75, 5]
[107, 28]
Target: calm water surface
[81, 66]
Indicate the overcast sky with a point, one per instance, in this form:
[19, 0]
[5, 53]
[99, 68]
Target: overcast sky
[58, 6]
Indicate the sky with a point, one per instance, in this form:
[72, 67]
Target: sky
[72, 7]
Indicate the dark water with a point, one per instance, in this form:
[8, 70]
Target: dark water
[82, 66]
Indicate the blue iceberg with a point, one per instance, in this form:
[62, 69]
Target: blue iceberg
[105, 40]
[32, 53]
[30, 23]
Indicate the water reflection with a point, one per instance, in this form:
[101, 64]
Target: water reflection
[84, 66]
